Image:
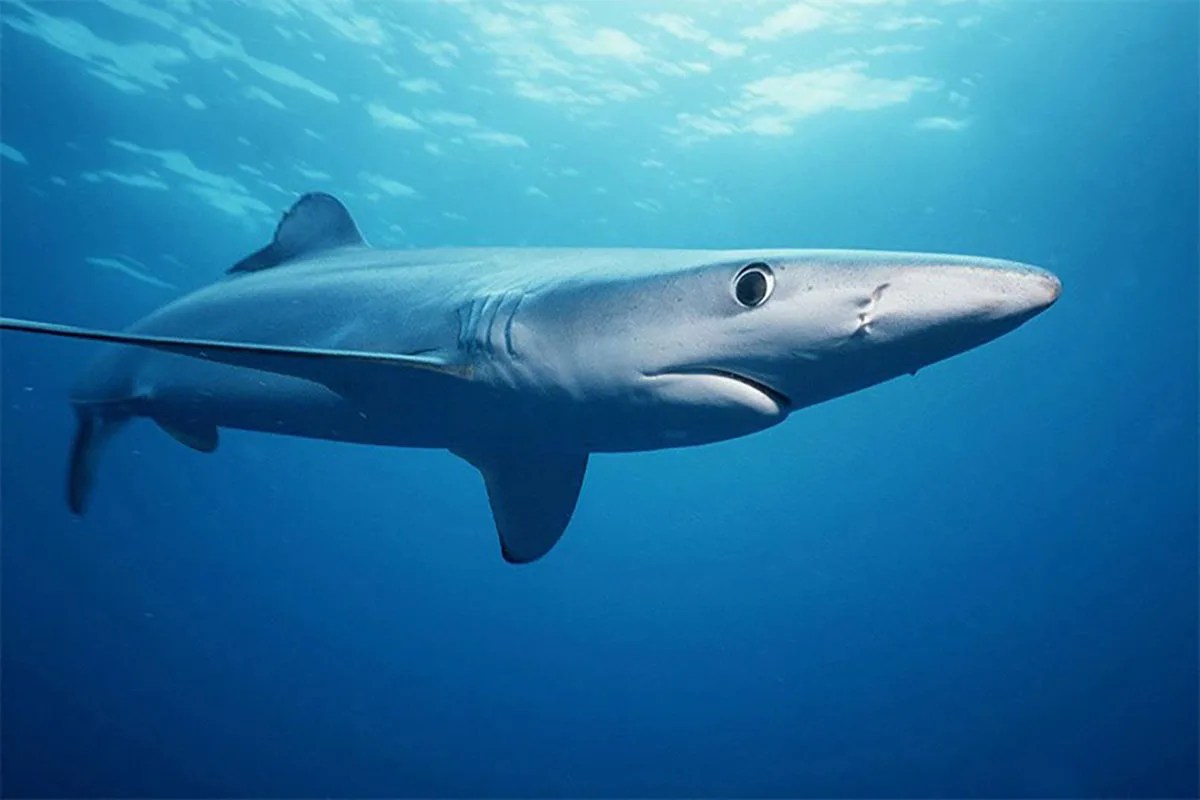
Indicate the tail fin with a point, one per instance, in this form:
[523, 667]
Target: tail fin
[91, 434]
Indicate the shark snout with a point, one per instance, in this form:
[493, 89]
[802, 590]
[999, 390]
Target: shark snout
[1015, 290]
[1050, 287]
[965, 300]
[1029, 288]
[924, 313]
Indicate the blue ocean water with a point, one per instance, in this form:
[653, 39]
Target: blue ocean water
[981, 581]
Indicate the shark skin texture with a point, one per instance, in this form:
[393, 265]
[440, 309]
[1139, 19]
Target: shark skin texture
[524, 361]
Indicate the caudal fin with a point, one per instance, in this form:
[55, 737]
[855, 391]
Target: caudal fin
[91, 434]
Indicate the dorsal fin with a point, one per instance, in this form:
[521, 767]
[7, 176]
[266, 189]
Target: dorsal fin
[315, 222]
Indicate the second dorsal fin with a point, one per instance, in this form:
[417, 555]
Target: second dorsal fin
[315, 222]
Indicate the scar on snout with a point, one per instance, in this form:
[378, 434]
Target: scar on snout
[867, 306]
[876, 293]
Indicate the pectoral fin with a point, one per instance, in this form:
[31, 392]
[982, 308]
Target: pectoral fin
[533, 495]
[326, 366]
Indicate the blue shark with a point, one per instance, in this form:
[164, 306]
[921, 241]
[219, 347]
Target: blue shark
[525, 361]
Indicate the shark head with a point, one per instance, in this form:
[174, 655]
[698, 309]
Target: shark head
[736, 342]
[802, 328]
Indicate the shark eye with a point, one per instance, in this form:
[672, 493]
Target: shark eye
[754, 284]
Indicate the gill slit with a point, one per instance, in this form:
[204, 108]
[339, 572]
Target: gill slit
[485, 330]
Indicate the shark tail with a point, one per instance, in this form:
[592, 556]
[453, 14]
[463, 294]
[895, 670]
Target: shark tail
[94, 428]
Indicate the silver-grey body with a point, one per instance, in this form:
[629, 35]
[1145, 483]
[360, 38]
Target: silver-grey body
[525, 361]
[536, 359]
[571, 349]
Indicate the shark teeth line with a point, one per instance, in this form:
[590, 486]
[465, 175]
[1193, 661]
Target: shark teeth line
[777, 397]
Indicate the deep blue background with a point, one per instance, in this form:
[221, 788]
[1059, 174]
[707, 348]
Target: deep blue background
[982, 581]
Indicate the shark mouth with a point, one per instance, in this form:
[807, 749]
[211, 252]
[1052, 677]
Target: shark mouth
[777, 397]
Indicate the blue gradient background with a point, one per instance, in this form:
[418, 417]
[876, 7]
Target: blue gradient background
[978, 582]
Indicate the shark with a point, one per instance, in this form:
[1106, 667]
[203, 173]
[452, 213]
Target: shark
[525, 361]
